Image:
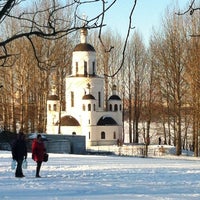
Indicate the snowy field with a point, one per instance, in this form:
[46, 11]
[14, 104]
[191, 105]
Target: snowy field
[103, 177]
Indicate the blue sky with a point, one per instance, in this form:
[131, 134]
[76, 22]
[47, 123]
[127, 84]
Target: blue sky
[147, 14]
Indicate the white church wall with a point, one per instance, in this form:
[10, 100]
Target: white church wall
[70, 130]
[111, 133]
[93, 135]
[78, 85]
[81, 56]
[52, 117]
[51, 129]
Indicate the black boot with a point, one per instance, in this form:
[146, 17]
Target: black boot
[38, 169]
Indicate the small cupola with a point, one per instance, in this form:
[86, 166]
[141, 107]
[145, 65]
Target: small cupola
[53, 103]
[83, 45]
[114, 95]
[53, 96]
[89, 101]
[114, 101]
[88, 96]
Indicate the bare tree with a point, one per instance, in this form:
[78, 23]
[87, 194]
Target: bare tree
[191, 66]
[135, 74]
[151, 93]
[171, 53]
[193, 77]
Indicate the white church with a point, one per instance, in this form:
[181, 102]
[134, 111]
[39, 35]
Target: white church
[85, 112]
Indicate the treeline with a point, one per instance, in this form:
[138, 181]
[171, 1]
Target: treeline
[158, 83]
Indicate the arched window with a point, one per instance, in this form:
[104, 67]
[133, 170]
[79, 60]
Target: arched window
[54, 107]
[89, 107]
[49, 107]
[72, 99]
[94, 107]
[93, 67]
[110, 107]
[99, 99]
[116, 107]
[76, 68]
[85, 68]
[83, 107]
[120, 107]
[103, 135]
[114, 135]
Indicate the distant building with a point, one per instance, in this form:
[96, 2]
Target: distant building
[85, 112]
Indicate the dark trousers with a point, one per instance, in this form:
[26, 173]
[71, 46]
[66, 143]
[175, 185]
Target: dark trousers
[39, 163]
[18, 172]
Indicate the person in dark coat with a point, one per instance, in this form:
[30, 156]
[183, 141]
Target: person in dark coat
[38, 151]
[19, 153]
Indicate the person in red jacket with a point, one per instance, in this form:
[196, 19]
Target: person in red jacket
[38, 151]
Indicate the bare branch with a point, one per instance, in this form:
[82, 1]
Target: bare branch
[126, 40]
[102, 20]
[198, 35]
[47, 23]
[190, 9]
[6, 8]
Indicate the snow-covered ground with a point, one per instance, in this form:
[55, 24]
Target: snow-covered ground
[103, 177]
